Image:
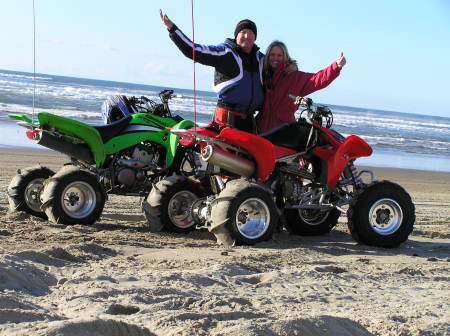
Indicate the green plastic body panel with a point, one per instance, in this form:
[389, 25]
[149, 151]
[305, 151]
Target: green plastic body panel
[173, 139]
[23, 117]
[77, 129]
[160, 134]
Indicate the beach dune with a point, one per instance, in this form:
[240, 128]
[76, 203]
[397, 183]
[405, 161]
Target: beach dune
[117, 278]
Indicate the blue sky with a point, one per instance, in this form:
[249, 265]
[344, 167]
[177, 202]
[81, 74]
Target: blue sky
[398, 52]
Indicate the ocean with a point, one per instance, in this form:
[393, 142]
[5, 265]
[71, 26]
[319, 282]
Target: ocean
[399, 140]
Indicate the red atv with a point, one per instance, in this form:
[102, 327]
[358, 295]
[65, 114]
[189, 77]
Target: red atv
[300, 175]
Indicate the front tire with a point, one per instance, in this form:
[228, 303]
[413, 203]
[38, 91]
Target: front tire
[382, 215]
[168, 206]
[24, 190]
[309, 222]
[73, 196]
[246, 210]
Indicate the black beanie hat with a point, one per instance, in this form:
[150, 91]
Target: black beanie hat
[245, 24]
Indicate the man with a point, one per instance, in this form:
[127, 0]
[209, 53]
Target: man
[238, 67]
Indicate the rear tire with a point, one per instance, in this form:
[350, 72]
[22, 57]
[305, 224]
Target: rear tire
[168, 206]
[73, 196]
[246, 210]
[24, 190]
[307, 222]
[382, 215]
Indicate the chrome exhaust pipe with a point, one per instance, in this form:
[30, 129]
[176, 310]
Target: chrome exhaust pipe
[223, 159]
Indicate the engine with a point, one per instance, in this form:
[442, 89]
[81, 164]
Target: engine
[133, 167]
[293, 188]
[295, 175]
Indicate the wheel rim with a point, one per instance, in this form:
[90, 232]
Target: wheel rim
[33, 194]
[313, 217]
[253, 218]
[179, 208]
[78, 199]
[385, 216]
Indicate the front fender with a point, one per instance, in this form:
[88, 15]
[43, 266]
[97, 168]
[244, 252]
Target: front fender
[352, 148]
[173, 140]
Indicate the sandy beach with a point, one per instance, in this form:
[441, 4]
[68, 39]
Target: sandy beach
[117, 278]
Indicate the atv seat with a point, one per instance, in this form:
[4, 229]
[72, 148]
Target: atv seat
[292, 135]
[107, 132]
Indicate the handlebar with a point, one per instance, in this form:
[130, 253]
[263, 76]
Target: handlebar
[145, 105]
[315, 116]
[301, 101]
[165, 95]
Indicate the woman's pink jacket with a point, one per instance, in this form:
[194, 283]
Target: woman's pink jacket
[278, 107]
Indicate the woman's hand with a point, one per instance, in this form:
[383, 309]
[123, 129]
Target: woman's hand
[165, 20]
[341, 61]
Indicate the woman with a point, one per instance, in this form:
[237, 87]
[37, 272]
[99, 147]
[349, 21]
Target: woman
[278, 83]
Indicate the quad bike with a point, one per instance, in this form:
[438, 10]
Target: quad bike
[300, 175]
[128, 156]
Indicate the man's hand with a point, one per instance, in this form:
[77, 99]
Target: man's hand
[165, 20]
[291, 67]
[341, 61]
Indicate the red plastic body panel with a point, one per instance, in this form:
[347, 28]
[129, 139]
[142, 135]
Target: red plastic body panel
[261, 149]
[337, 155]
[282, 151]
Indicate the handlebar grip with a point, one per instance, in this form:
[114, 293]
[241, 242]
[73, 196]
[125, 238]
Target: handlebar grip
[298, 100]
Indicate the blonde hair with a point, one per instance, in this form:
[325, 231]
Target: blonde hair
[287, 57]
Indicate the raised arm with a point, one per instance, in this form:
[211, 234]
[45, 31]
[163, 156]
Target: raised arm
[341, 61]
[309, 82]
[165, 20]
[206, 55]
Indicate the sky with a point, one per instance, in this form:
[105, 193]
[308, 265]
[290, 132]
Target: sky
[398, 52]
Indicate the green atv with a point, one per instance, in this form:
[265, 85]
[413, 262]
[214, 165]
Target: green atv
[131, 155]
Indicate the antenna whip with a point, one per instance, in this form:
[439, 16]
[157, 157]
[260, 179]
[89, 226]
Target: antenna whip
[193, 60]
[34, 59]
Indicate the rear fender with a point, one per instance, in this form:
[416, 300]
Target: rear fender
[261, 149]
[24, 118]
[77, 129]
